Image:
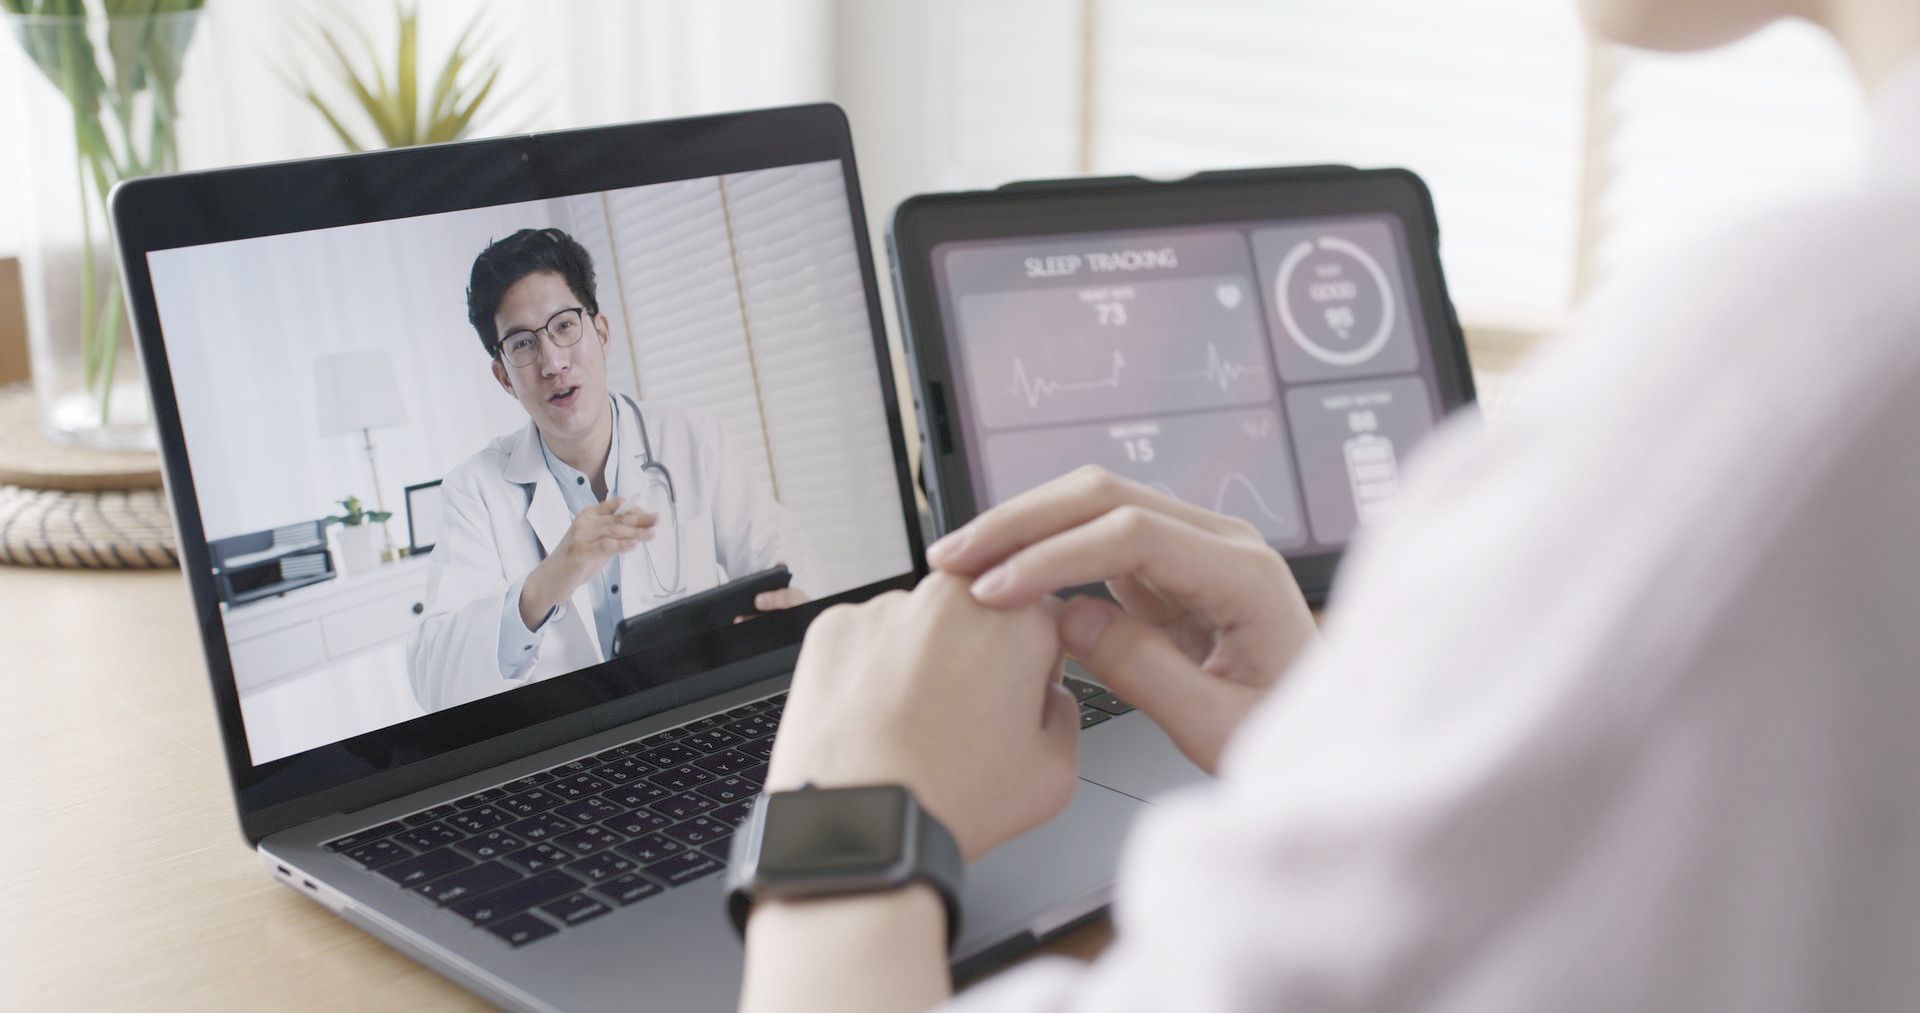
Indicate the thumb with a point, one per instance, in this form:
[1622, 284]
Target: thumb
[1142, 666]
[1059, 750]
[1060, 725]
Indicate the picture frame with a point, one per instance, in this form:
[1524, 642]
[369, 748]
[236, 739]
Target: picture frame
[423, 517]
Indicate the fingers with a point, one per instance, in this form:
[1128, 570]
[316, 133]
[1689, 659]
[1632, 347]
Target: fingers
[636, 520]
[1142, 666]
[610, 544]
[617, 534]
[1064, 503]
[622, 510]
[781, 598]
[1178, 559]
[1136, 597]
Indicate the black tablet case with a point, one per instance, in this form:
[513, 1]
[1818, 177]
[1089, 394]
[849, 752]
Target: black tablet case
[923, 332]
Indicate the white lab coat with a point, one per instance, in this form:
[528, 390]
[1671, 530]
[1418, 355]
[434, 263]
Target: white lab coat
[502, 513]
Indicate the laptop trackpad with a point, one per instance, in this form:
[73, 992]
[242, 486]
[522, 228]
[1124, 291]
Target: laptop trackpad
[1042, 880]
[1131, 755]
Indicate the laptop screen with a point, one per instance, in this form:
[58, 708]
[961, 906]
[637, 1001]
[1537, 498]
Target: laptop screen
[407, 439]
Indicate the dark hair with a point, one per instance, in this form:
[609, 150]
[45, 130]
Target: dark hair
[506, 261]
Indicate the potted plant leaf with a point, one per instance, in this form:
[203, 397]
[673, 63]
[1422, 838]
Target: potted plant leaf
[358, 554]
[386, 91]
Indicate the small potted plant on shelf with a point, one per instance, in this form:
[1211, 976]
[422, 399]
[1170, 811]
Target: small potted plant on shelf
[358, 554]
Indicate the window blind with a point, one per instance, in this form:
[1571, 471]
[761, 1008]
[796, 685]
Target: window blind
[1481, 97]
[1487, 99]
[813, 346]
[684, 326]
[741, 297]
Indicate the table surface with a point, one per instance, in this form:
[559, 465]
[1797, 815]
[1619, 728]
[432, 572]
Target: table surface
[125, 880]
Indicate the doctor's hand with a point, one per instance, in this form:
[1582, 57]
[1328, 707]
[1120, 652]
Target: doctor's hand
[597, 534]
[959, 702]
[780, 598]
[774, 601]
[1208, 618]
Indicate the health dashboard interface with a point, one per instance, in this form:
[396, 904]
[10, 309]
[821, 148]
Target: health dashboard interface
[1274, 371]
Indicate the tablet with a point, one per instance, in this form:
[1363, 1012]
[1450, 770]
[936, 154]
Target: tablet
[702, 612]
[1269, 344]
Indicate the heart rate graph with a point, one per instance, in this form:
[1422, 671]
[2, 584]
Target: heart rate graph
[1034, 388]
[1217, 372]
[1079, 354]
[1237, 462]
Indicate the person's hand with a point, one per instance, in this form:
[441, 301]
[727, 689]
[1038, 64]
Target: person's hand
[1209, 615]
[960, 703]
[597, 533]
[780, 598]
[774, 601]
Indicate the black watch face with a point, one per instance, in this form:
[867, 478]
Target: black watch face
[822, 832]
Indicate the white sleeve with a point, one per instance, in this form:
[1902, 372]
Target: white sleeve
[454, 654]
[519, 646]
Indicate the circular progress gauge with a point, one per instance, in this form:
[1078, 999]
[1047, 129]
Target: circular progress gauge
[1334, 300]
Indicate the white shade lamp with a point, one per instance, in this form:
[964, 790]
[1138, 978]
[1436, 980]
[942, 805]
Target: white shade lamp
[358, 392]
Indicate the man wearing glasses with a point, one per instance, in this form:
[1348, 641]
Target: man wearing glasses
[598, 509]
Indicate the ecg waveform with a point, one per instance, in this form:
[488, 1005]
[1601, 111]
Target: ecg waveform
[1033, 388]
[1227, 482]
[1219, 371]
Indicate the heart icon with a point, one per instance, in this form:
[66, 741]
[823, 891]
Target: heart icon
[1228, 294]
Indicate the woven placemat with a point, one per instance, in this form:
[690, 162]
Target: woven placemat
[114, 530]
[28, 458]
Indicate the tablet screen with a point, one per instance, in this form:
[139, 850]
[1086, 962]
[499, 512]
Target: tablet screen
[1272, 370]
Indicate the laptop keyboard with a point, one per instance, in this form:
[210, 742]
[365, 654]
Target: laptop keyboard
[526, 859]
[1096, 703]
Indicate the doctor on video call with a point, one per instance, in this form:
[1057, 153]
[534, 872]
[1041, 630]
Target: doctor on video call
[599, 508]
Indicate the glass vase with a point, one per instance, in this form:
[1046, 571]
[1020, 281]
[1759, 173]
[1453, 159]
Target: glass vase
[97, 104]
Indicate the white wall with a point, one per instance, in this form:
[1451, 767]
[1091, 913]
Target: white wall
[244, 322]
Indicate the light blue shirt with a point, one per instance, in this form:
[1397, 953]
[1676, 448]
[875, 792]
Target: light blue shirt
[518, 644]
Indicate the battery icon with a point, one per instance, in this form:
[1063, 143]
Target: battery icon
[1374, 474]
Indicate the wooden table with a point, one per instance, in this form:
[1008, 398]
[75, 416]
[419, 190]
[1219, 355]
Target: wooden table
[124, 880]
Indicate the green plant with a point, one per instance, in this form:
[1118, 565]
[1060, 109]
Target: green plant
[145, 51]
[389, 95]
[356, 514]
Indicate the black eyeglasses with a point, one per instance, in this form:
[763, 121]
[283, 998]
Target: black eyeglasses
[564, 328]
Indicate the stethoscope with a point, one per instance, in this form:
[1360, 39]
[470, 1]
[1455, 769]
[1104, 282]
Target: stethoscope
[657, 476]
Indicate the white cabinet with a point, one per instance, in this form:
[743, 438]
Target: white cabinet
[312, 627]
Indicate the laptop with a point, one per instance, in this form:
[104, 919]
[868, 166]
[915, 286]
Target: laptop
[365, 438]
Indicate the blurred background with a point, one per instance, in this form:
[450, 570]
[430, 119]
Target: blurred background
[1555, 161]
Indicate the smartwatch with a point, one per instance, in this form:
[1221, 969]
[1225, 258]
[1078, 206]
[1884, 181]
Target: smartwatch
[819, 842]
